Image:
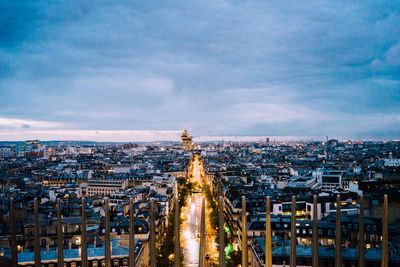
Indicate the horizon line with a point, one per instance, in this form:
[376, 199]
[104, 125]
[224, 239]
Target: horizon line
[143, 136]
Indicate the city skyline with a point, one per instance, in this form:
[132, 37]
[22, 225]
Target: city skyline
[99, 71]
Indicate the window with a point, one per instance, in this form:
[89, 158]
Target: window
[374, 228]
[285, 225]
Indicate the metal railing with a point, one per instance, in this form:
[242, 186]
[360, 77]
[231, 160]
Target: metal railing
[202, 252]
[84, 246]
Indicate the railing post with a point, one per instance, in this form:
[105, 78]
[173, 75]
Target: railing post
[293, 234]
[384, 262]
[152, 235]
[37, 233]
[107, 247]
[268, 245]
[202, 250]
[315, 241]
[245, 260]
[60, 241]
[338, 240]
[177, 247]
[13, 234]
[221, 233]
[84, 256]
[132, 257]
[361, 240]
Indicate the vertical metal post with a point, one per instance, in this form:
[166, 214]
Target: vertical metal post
[132, 256]
[221, 233]
[14, 255]
[361, 240]
[268, 245]
[177, 247]
[152, 235]
[60, 241]
[245, 260]
[384, 262]
[107, 247]
[84, 256]
[293, 234]
[315, 233]
[338, 241]
[37, 233]
[202, 250]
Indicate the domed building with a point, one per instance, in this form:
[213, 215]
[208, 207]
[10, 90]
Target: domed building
[186, 141]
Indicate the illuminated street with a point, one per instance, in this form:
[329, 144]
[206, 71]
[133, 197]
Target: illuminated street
[191, 217]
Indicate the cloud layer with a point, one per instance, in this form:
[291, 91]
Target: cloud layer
[292, 68]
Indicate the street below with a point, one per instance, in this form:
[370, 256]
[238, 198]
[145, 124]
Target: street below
[191, 218]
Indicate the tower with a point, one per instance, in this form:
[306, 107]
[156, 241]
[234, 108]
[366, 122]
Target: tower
[186, 141]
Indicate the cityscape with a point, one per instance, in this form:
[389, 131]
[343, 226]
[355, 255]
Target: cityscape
[200, 204]
[201, 133]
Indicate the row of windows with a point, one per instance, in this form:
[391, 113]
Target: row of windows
[115, 263]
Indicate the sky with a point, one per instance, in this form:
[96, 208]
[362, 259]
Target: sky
[102, 70]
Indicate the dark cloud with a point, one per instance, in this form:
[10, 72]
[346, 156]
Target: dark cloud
[218, 67]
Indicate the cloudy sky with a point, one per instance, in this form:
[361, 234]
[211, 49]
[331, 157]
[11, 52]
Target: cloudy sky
[91, 69]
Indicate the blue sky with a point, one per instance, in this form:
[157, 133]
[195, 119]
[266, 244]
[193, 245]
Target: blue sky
[262, 68]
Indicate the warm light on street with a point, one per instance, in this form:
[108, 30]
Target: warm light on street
[191, 217]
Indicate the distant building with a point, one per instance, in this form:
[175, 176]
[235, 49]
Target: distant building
[105, 186]
[27, 147]
[6, 152]
[186, 141]
[392, 162]
[329, 179]
[129, 146]
[333, 142]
